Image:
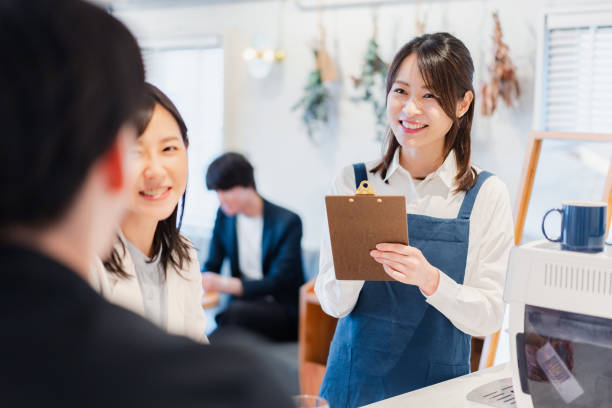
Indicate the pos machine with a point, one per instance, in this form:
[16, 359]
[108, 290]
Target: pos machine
[560, 310]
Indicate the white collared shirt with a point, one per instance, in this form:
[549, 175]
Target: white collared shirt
[476, 307]
[152, 283]
[249, 231]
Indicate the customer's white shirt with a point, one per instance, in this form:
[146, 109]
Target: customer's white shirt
[476, 306]
[249, 231]
[183, 301]
[152, 281]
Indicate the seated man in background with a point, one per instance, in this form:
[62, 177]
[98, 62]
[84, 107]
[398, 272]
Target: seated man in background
[71, 79]
[263, 243]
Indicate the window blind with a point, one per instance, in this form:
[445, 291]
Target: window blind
[578, 74]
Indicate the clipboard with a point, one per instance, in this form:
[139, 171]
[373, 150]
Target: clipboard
[356, 224]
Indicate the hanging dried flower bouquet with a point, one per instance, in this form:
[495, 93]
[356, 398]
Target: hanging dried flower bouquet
[503, 80]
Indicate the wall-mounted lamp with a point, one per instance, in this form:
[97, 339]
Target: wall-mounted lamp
[268, 55]
[261, 55]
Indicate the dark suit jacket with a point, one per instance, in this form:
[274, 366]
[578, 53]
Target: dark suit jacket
[62, 345]
[281, 255]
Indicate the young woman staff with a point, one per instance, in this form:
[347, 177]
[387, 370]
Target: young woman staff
[154, 270]
[394, 337]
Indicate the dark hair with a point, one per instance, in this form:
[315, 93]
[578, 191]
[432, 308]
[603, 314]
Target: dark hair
[447, 69]
[228, 171]
[174, 247]
[71, 76]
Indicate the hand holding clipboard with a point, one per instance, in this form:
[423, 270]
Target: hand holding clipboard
[356, 224]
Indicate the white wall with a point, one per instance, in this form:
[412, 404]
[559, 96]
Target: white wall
[291, 170]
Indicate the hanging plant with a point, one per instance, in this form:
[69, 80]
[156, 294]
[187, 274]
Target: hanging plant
[316, 100]
[371, 84]
[313, 102]
[503, 80]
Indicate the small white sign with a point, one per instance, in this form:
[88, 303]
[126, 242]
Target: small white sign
[558, 374]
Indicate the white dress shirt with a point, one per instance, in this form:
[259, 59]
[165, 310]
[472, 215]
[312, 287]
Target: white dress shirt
[249, 231]
[475, 307]
[183, 314]
[152, 282]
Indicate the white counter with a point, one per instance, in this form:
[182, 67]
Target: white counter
[447, 394]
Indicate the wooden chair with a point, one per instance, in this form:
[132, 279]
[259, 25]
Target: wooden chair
[316, 330]
[530, 166]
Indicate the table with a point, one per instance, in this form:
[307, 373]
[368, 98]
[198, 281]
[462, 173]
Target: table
[210, 299]
[448, 394]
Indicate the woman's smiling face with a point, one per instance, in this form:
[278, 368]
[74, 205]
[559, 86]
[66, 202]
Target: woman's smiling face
[414, 114]
[160, 167]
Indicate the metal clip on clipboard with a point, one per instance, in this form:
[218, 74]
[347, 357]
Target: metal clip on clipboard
[365, 189]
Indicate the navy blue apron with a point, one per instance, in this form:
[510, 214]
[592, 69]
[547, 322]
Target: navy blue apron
[393, 341]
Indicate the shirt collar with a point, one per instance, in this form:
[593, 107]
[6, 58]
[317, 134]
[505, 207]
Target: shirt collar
[446, 172]
[394, 165]
[121, 246]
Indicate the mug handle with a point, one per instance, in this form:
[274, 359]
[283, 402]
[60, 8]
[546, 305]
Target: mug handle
[544, 220]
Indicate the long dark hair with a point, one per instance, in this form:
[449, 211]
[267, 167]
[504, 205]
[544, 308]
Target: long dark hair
[447, 69]
[167, 239]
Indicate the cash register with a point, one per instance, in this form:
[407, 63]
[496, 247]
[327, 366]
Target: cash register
[560, 311]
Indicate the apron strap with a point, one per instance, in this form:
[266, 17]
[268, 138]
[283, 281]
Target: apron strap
[470, 196]
[465, 212]
[360, 173]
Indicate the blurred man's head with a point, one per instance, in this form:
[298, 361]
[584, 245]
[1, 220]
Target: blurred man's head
[71, 78]
[231, 176]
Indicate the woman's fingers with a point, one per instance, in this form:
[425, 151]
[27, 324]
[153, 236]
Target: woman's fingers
[398, 248]
[398, 266]
[398, 276]
[391, 256]
[398, 271]
[409, 262]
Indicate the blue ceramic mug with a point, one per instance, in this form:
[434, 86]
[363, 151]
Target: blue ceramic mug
[583, 226]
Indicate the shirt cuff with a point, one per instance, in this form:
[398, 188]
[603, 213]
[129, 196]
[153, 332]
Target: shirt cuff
[445, 295]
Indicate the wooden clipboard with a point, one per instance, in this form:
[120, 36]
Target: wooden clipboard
[356, 224]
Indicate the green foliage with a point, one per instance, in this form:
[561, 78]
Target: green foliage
[373, 90]
[313, 103]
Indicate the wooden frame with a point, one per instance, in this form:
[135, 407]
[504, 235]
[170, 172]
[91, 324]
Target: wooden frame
[530, 166]
[316, 330]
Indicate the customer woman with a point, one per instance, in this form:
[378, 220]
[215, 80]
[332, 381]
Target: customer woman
[153, 270]
[395, 337]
